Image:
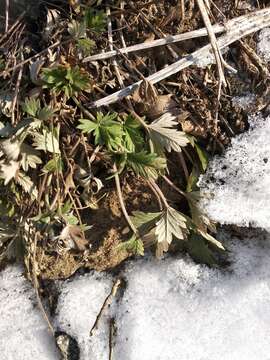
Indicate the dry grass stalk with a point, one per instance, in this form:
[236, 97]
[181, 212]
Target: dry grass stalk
[7, 15]
[170, 39]
[236, 29]
[213, 42]
[106, 303]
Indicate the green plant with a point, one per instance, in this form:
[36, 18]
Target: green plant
[65, 79]
[144, 153]
[92, 22]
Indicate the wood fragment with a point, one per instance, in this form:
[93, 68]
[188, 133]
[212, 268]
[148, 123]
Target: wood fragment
[213, 42]
[112, 331]
[106, 303]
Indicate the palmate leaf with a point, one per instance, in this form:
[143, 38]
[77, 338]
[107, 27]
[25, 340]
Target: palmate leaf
[45, 113]
[31, 106]
[95, 20]
[134, 246]
[30, 157]
[87, 126]
[145, 224]
[147, 165]
[47, 141]
[165, 136]
[54, 165]
[9, 170]
[142, 219]
[77, 29]
[133, 138]
[85, 45]
[201, 224]
[27, 184]
[106, 130]
[199, 251]
[65, 79]
[172, 223]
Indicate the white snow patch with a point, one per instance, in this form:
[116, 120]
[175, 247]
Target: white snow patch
[236, 186]
[263, 44]
[245, 102]
[23, 331]
[176, 309]
[209, 59]
[171, 309]
[78, 306]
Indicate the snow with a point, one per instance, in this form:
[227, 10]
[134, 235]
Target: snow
[174, 308]
[263, 44]
[78, 306]
[245, 102]
[170, 309]
[236, 186]
[23, 332]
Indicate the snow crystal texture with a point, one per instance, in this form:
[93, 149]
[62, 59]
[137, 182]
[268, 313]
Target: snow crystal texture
[245, 102]
[171, 309]
[263, 44]
[236, 186]
[175, 309]
[23, 331]
[78, 306]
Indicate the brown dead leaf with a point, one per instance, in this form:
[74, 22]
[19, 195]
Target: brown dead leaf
[69, 183]
[146, 93]
[160, 105]
[150, 38]
[73, 237]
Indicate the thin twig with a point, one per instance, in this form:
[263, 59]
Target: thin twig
[158, 32]
[34, 56]
[160, 193]
[110, 38]
[156, 194]
[106, 303]
[8, 33]
[7, 15]
[183, 11]
[169, 182]
[112, 331]
[184, 165]
[14, 102]
[36, 285]
[83, 109]
[122, 6]
[213, 41]
[218, 56]
[121, 200]
[255, 58]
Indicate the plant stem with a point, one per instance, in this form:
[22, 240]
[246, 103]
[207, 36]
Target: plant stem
[160, 193]
[121, 200]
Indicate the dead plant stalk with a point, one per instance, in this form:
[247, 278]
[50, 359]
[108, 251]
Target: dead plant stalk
[106, 303]
[236, 29]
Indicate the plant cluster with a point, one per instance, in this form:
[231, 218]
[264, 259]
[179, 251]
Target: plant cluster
[46, 184]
